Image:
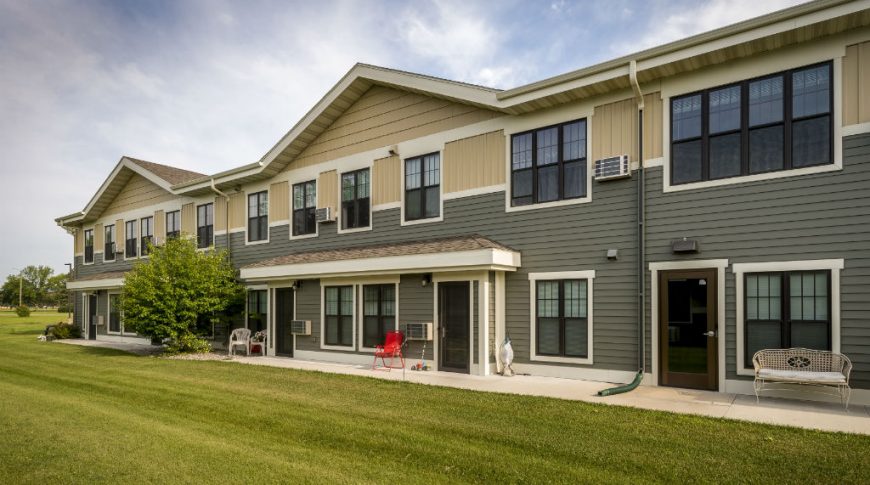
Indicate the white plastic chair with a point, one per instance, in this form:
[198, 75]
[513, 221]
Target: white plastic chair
[240, 336]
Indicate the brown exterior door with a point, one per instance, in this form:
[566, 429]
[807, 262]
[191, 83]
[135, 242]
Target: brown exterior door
[283, 317]
[688, 329]
[453, 326]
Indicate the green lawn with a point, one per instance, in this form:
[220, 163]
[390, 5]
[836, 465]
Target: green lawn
[84, 415]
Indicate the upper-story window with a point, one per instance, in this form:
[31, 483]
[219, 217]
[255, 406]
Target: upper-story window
[778, 122]
[89, 246]
[109, 247]
[204, 225]
[423, 187]
[130, 242]
[355, 199]
[549, 164]
[304, 206]
[173, 224]
[147, 233]
[258, 216]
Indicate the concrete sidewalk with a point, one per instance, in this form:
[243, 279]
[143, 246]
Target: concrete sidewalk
[785, 412]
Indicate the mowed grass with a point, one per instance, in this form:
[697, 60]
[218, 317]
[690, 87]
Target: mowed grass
[82, 415]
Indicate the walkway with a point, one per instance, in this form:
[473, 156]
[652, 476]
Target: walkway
[786, 412]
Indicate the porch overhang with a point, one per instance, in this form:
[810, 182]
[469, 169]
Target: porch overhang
[103, 281]
[453, 254]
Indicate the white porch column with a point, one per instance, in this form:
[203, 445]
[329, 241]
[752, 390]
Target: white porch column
[483, 325]
[499, 316]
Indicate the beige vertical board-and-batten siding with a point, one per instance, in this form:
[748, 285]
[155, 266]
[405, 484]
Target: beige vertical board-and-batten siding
[139, 192]
[614, 130]
[159, 227]
[856, 84]
[327, 190]
[79, 241]
[383, 117]
[237, 211]
[120, 233]
[652, 125]
[386, 180]
[279, 202]
[99, 236]
[474, 162]
[188, 219]
[220, 214]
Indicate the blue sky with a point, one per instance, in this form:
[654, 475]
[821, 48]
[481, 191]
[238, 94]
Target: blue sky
[209, 85]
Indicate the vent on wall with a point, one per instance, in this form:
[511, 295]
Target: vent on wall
[418, 331]
[300, 327]
[612, 168]
[324, 214]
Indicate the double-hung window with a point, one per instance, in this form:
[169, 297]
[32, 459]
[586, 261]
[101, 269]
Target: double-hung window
[338, 313]
[379, 313]
[549, 164]
[562, 308]
[147, 233]
[304, 206]
[257, 310]
[173, 224]
[204, 225]
[109, 243]
[774, 123]
[115, 313]
[423, 187]
[258, 216]
[355, 199]
[130, 242]
[89, 246]
[787, 309]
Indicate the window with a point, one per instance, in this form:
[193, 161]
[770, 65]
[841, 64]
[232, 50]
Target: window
[304, 206]
[173, 224]
[258, 216]
[379, 313]
[257, 310]
[561, 318]
[204, 225]
[549, 164]
[355, 199]
[423, 187]
[114, 313]
[778, 122]
[338, 311]
[130, 243]
[787, 309]
[89, 246]
[109, 246]
[147, 233]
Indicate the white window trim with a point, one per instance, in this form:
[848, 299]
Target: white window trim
[85, 242]
[719, 265]
[589, 276]
[837, 135]
[126, 238]
[740, 269]
[370, 167]
[565, 118]
[345, 348]
[248, 242]
[440, 218]
[316, 224]
[361, 310]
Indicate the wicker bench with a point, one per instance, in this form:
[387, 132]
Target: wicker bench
[825, 371]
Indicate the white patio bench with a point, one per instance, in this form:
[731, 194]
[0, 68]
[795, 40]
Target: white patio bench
[819, 368]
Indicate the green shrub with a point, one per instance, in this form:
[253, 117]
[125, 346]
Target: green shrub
[188, 344]
[22, 311]
[66, 330]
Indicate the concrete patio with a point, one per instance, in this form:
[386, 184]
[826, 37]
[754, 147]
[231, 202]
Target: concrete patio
[785, 412]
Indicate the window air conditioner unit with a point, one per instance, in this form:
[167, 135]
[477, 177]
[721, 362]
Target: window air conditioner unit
[418, 331]
[324, 214]
[612, 168]
[300, 327]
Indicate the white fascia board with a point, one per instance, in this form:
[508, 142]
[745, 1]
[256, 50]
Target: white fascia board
[95, 284]
[478, 258]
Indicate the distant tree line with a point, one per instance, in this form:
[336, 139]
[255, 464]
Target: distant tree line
[40, 288]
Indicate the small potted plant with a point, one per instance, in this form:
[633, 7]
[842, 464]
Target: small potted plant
[258, 340]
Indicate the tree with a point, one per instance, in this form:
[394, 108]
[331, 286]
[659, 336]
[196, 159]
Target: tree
[56, 293]
[35, 289]
[164, 296]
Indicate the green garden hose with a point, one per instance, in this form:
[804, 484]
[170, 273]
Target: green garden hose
[623, 388]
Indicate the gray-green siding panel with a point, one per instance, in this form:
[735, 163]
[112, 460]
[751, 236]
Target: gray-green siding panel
[416, 306]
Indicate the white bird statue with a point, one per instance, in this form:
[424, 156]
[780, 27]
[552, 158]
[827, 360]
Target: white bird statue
[507, 357]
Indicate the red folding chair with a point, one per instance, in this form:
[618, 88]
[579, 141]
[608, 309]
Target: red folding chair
[392, 348]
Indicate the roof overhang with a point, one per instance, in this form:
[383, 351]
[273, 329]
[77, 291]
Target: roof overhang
[103, 284]
[476, 259]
